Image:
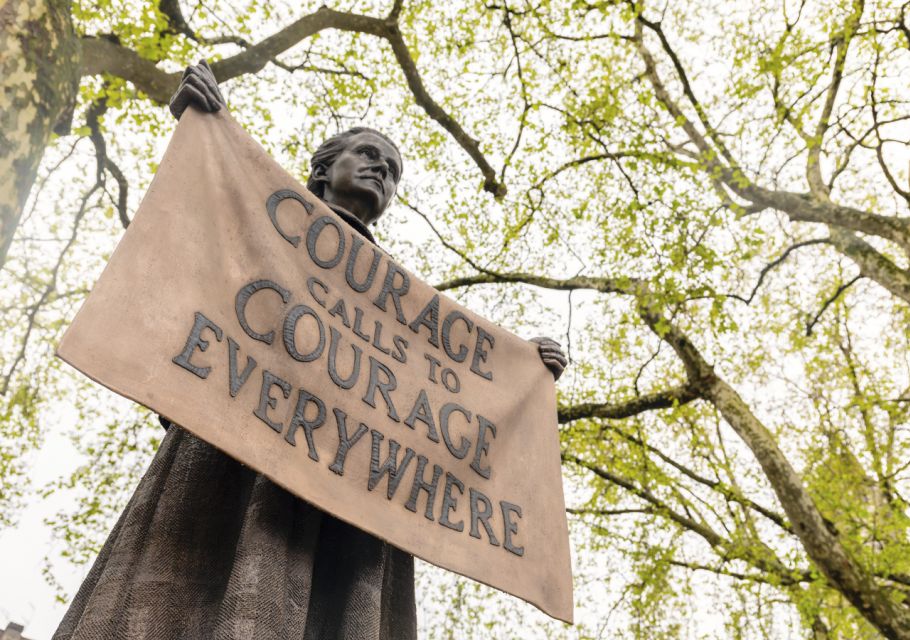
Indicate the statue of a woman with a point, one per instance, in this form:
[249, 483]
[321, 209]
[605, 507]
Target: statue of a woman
[208, 548]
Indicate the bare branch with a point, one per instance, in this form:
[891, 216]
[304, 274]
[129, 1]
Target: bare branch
[395, 12]
[687, 88]
[604, 285]
[614, 156]
[876, 128]
[804, 208]
[170, 9]
[122, 190]
[817, 184]
[663, 95]
[773, 264]
[607, 512]
[811, 324]
[673, 397]
[872, 263]
[775, 580]
[49, 292]
[437, 113]
[731, 494]
[102, 55]
[711, 537]
[760, 557]
[103, 162]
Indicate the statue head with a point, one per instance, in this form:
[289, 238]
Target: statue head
[357, 170]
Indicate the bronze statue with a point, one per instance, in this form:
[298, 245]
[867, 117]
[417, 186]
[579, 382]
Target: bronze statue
[207, 548]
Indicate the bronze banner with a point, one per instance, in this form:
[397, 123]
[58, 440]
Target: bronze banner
[243, 309]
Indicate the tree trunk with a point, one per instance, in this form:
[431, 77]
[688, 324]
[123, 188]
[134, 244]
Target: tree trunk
[818, 536]
[39, 76]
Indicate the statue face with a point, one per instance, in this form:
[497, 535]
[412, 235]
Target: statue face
[364, 177]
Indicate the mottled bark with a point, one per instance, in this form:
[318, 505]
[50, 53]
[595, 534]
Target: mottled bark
[39, 76]
[872, 263]
[818, 538]
[807, 208]
[675, 396]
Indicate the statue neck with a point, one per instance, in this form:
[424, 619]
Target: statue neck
[352, 220]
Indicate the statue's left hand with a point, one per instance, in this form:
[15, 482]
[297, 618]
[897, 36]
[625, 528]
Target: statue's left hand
[552, 356]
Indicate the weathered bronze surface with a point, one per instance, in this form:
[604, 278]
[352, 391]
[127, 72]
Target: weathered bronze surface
[346, 186]
[206, 546]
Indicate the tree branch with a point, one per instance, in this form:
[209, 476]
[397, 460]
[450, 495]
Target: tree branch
[801, 207]
[729, 551]
[871, 263]
[103, 161]
[811, 324]
[50, 290]
[711, 537]
[817, 535]
[122, 191]
[798, 207]
[663, 95]
[687, 88]
[773, 264]
[731, 494]
[675, 396]
[437, 113]
[101, 55]
[603, 285]
[776, 580]
[817, 185]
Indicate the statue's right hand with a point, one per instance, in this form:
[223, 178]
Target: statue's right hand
[198, 88]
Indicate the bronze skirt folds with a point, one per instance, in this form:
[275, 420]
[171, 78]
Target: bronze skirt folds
[209, 549]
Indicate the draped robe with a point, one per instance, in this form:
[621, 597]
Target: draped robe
[209, 549]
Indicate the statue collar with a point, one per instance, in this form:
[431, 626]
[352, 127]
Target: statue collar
[355, 222]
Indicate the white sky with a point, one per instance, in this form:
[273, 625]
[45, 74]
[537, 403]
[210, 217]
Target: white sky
[25, 596]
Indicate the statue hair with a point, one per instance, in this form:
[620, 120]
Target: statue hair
[330, 149]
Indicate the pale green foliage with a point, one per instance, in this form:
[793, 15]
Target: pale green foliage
[596, 187]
